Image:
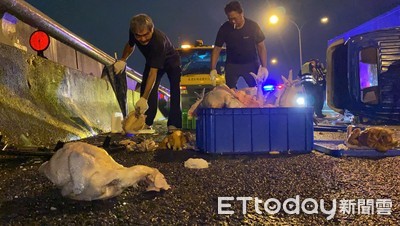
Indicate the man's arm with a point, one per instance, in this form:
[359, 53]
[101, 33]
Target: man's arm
[262, 53]
[214, 57]
[128, 50]
[150, 82]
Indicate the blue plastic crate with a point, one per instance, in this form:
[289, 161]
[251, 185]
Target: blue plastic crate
[255, 130]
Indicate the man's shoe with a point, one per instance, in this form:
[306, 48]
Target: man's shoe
[321, 116]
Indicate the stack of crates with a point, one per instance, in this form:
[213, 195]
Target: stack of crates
[255, 130]
[188, 123]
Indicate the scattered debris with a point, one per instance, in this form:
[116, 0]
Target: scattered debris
[141, 146]
[128, 143]
[346, 118]
[196, 163]
[342, 147]
[146, 145]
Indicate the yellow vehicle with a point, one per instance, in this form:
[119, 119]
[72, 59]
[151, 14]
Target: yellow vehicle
[196, 62]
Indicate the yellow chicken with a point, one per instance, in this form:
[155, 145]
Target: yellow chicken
[175, 141]
[378, 138]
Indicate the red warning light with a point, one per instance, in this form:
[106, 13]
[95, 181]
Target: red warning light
[39, 41]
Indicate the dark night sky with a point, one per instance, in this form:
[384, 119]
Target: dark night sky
[105, 23]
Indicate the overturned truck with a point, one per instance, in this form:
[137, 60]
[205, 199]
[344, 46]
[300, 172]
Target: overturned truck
[363, 70]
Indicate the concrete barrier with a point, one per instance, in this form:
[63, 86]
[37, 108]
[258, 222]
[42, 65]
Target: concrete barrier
[42, 102]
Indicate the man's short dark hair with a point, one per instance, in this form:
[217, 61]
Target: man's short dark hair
[233, 6]
[140, 22]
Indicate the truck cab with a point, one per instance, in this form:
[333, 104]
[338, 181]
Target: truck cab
[363, 70]
[196, 62]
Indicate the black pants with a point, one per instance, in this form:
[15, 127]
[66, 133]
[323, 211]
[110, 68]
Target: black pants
[234, 71]
[175, 113]
[315, 96]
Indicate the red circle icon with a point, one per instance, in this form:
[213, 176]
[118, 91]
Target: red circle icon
[39, 40]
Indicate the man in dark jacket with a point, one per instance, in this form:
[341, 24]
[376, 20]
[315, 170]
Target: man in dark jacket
[161, 57]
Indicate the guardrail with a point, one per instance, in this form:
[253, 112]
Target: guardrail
[32, 16]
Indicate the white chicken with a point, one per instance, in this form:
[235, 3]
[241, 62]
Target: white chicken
[286, 97]
[221, 96]
[86, 172]
[252, 97]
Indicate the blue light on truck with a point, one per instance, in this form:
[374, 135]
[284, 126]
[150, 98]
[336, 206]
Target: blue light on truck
[268, 88]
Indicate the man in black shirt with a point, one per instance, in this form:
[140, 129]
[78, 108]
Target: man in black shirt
[245, 48]
[161, 57]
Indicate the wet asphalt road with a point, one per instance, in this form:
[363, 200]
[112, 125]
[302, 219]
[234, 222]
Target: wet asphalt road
[27, 198]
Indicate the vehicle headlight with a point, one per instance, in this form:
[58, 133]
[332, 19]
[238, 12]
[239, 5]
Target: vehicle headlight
[300, 101]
